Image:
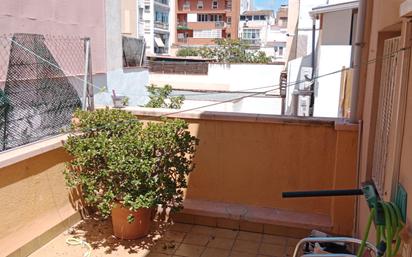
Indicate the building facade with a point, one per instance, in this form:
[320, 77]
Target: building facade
[318, 29]
[132, 18]
[384, 105]
[156, 17]
[264, 31]
[200, 22]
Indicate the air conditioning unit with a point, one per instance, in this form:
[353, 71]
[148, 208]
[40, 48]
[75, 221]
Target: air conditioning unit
[304, 78]
[303, 105]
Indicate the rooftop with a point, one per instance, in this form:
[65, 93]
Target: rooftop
[259, 12]
[327, 8]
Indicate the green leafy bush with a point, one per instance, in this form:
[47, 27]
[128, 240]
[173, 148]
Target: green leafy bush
[160, 98]
[118, 159]
[228, 51]
[187, 51]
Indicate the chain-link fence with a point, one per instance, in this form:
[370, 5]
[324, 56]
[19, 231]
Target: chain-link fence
[42, 82]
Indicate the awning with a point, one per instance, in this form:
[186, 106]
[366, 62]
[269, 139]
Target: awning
[159, 42]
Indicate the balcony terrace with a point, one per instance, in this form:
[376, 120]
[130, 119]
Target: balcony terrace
[233, 203]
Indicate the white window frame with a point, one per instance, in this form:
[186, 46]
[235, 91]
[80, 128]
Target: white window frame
[199, 4]
[215, 4]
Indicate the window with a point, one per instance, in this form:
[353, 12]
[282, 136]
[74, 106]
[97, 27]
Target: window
[162, 17]
[186, 5]
[147, 8]
[256, 17]
[229, 20]
[216, 17]
[249, 18]
[140, 13]
[242, 18]
[214, 4]
[281, 50]
[262, 17]
[202, 17]
[200, 4]
[251, 34]
[228, 35]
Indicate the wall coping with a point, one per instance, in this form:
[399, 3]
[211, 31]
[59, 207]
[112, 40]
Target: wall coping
[154, 113]
[24, 152]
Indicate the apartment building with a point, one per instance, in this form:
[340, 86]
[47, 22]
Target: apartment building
[254, 26]
[156, 25]
[263, 30]
[132, 18]
[200, 22]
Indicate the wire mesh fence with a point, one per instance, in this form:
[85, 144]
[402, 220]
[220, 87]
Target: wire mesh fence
[41, 80]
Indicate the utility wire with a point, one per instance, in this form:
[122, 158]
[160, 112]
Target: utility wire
[273, 87]
[288, 85]
[251, 95]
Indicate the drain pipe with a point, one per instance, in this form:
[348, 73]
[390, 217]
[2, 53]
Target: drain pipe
[360, 28]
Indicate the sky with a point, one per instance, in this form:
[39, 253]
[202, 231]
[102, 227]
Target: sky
[269, 4]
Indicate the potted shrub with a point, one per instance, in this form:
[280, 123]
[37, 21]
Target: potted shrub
[125, 168]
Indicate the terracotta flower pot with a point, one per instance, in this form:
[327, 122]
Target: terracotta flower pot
[140, 227]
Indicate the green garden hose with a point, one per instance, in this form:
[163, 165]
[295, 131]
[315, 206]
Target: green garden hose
[389, 231]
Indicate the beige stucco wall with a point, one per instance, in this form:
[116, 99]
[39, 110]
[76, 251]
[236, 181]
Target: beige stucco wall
[129, 17]
[253, 162]
[34, 199]
[384, 20]
[59, 17]
[293, 17]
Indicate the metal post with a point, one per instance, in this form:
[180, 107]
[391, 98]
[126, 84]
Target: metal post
[90, 93]
[86, 70]
[142, 54]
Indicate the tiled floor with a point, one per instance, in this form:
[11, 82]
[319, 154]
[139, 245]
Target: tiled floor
[170, 240]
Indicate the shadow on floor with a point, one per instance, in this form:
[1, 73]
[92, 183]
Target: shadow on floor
[99, 234]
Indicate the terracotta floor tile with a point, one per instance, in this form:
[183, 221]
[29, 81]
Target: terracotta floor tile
[249, 236]
[204, 230]
[189, 250]
[270, 239]
[241, 254]
[174, 236]
[180, 227]
[246, 246]
[226, 233]
[272, 249]
[214, 252]
[153, 254]
[222, 243]
[165, 247]
[196, 239]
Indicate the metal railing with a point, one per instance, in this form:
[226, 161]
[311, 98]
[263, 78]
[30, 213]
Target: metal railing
[186, 6]
[181, 24]
[165, 2]
[182, 40]
[161, 25]
[252, 41]
[219, 24]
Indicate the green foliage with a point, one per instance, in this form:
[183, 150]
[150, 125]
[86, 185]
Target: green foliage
[160, 98]
[125, 101]
[187, 51]
[228, 51]
[117, 159]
